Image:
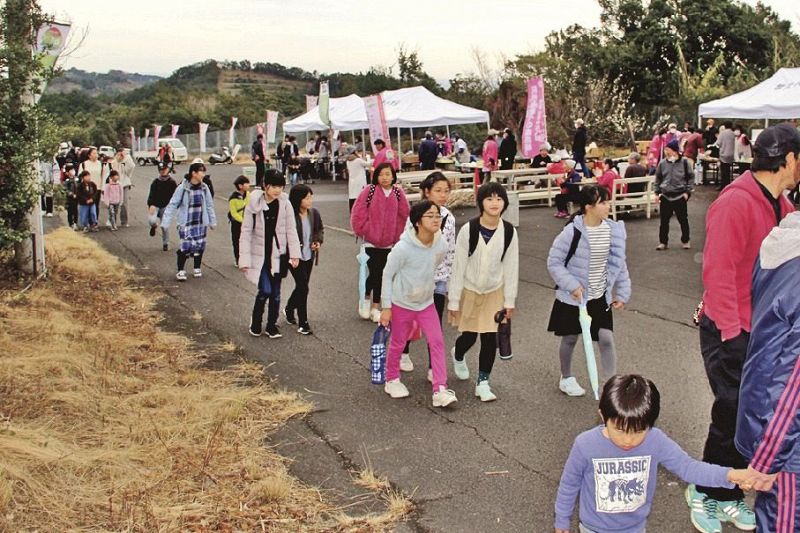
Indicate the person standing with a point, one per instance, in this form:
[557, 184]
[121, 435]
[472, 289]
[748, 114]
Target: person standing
[461, 149]
[489, 156]
[257, 154]
[768, 422]
[161, 190]
[124, 165]
[736, 224]
[727, 154]
[236, 204]
[71, 186]
[579, 141]
[87, 192]
[385, 155]
[357, 169]
[674, 185]
[94, 167]
[288, 154]
[427, 152]
[508, 150]
[710, 133]
[112, 197]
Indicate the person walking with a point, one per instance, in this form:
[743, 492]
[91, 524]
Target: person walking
[87, 192]
[736, 224]
[579, 141]
[489, 156]
[236, 204]
[727, 154]
[161, 190]
[357, 169]
[427, 152]
[124, 165]
[112, 197]
[71, 185]
[257, 155]
[94, 167]
[192, 207]
[673, 186]
[508, 150]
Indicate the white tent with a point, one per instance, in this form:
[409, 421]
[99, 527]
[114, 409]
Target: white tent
[413, 107]
[775, 98]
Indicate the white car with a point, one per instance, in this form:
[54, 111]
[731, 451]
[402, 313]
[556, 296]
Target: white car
[144, 157]
[107, 151]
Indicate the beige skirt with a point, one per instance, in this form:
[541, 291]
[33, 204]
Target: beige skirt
[478, 310]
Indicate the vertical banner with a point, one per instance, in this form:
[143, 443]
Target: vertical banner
[146, 138]
[324, 103]
[376, 117]
[133, 139]
[311, 102]
[202, 130]
[534, 132]
[174, 132]
[272, 126]
[138, 145]
[231, 132]
[50, 42]
[156, 134]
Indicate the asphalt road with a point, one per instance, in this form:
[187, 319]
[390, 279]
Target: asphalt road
[476, 467]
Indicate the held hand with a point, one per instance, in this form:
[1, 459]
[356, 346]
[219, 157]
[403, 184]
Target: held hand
[454, 316]
[386, 317]
[294, 262]
[509, 312]
[756, 480]
[686, 196]
[658, 198]
[617, 305]
[315, 246]
[243, 269]
[577, 294]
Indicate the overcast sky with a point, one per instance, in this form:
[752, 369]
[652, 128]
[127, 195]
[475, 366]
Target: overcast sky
[158, 36]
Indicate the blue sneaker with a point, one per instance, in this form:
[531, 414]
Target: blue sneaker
[703, 511]
[738, 514]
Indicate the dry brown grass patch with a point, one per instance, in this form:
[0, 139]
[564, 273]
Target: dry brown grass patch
[108, 423]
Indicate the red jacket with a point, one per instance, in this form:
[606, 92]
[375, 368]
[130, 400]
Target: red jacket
[382, 221]
[736, 224]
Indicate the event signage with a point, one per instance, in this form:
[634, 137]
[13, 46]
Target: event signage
[174, 133]
[50, 42]
[202, 129]
[231, 132]
[311, 102]
[324, 103]
[272, 126]
[376, 118]
[534, 131]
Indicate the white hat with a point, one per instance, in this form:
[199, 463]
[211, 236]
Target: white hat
[197, 160]
[570, 163]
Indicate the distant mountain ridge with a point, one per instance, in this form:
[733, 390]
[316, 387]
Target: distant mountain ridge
[97, 83]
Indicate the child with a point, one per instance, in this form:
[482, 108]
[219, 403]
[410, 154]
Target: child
[193, 209]
[311, 233]
[484, 281]
[587, 262]
[613, 467]
[267, 247]
[407, 296]
[161, 190]
[236, 204]
[570, 189]
[87, 192]
[294, 169]
[436, 188]
[71, 186]
[112, 197]
[379, 217]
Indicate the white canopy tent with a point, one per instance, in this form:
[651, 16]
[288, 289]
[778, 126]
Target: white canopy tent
[775, 98]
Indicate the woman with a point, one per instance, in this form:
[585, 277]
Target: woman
[356, 176]
[489, 156]
[193, 209]
[609, 175]
[94, 167]
[508, 150]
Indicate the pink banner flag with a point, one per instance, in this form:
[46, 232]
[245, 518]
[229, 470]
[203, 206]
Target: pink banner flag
[376, 117]
[311, 102]
[175, 128]
[202, 129]
[231, 132]
[534, 132]
[156, 133]
[146, 137]
[272, 126]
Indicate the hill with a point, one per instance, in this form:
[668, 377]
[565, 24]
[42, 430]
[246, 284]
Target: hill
[96, 83]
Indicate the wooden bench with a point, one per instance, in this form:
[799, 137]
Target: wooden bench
[627, 202]
[530, 194]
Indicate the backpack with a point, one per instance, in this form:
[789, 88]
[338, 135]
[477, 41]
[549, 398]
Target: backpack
[474, 235]
[573, 246]
[373, 188]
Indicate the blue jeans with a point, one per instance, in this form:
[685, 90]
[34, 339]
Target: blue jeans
[580, 161]
[87, 216]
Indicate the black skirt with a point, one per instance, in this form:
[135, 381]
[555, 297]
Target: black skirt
[564, 318]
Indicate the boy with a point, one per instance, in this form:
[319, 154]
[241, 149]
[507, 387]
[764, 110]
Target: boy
[613, 467]
[236, 204]
[161, 190]
[71, 187]
[87, 192]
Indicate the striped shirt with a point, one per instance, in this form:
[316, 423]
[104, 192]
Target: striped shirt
[599, 244]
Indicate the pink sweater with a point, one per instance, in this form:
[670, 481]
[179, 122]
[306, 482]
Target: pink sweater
[736, 224]
[383, 221]
[387, 156]
[112, 193]
[607, 180]
[490, 155]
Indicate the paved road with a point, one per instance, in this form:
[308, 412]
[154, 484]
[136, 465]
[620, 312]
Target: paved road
[477, 467]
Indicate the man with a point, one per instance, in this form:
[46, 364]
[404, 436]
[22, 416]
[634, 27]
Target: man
[461, 149]
[508, 150]
[727, 147]
[385, 155]
[579, 147]
[710, 133]
[257, 153]
[736, 224]
[635, 170]
[427, 152]
[123, 163]
[161, 191]
[674, 185]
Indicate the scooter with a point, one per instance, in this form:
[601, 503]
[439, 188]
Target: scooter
[223, 158]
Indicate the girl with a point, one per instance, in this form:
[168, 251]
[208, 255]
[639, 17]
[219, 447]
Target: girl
[407, 296]
[193, 209]
[587, 262]
[484, 281]
[311, 233]
[606, 179]
[379, 217]
[436, 189]
[112, 197]
[489, 156]
[267, 247]
[85, 195]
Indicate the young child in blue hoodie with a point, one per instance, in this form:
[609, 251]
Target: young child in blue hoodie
[407, 296]
[612, 468]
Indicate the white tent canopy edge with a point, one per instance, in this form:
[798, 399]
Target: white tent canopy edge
[777, 97]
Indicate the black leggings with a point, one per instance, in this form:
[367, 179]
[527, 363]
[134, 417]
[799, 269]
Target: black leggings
[299, 298]
[182, 257]
[438, 301]
[488, 348]
[376, 264]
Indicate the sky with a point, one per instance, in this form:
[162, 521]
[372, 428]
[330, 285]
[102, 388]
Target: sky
[159, 36]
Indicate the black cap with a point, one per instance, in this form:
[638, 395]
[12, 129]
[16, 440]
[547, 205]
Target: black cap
[777, 141]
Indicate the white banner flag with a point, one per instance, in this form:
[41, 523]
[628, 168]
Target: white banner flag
[272, 125]
[232, 132]
[156, 133]
[202, 129]
[378, 128]
[311, 102]
[175, 128]
[146, 137]
[133, 138]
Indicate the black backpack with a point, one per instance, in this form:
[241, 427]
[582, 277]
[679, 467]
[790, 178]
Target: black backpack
[573, 246]
[474, 235]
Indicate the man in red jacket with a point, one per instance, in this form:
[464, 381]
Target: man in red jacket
[736, 224]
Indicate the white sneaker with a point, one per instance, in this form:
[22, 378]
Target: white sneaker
[375, 315]
[570, 387]
[395, 389]
[181, 275]
[484, 392]
[406, 365]
[197, 273]
[430, 375]
[444, 397]
[459, 367]
[363, 309]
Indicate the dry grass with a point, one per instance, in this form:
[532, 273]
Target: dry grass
[108, 423]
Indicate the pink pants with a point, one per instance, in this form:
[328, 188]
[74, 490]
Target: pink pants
[428, 321]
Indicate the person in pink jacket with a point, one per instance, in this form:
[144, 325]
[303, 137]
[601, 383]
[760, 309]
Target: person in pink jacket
[112, 197]
[656, 150]
[489, 156]
[606, 180]
[385, 155]
[268, 246]
[379, 217]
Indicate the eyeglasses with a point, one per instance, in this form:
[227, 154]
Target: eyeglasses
[435, 217]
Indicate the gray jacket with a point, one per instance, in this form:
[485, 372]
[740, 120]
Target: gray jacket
[674, 179]
[727, 145]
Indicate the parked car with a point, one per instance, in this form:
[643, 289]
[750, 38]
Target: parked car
[143, 157]
[108, 151]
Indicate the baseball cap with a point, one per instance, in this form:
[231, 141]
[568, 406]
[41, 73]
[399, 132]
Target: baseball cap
[777, 141]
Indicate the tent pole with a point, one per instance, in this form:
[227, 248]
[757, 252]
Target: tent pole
[412, 138]
[766, 123]
[699, 121]
[488, 126]
[448, 131]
